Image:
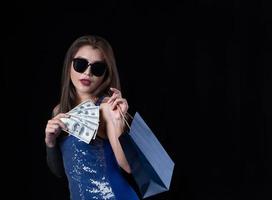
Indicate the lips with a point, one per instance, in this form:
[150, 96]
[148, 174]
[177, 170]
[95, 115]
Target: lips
[85, 82]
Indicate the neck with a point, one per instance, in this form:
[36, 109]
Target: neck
[83, 97]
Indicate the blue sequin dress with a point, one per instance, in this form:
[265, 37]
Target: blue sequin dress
[93, 172]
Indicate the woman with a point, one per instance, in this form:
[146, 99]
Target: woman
[93, 170]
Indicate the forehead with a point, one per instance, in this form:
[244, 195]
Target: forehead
[89, 53]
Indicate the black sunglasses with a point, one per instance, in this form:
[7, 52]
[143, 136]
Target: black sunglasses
[97, 68]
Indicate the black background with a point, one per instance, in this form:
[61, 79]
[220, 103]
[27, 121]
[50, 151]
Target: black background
[199, 73]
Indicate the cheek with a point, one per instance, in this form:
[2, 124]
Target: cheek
[73, 75]
[99, 80]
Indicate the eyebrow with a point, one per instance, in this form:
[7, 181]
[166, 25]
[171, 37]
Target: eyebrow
[81, 58]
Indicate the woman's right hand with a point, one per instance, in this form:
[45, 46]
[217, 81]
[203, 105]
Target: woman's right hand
[53, 129]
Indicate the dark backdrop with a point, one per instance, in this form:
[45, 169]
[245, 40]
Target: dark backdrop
[199, 72]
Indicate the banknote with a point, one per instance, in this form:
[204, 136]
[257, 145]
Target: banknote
[83, 105]
[83, 122]
[86, 112]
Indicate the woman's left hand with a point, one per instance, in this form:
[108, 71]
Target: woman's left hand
[116, 107]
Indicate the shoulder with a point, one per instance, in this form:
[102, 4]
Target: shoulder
[103, 102]
[56, 110]
[105, 99]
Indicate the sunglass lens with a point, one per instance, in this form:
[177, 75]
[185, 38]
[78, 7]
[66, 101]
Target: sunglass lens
[80, 65]
[98, 68]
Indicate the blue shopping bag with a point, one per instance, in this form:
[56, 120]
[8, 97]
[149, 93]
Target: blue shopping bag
[151, 166]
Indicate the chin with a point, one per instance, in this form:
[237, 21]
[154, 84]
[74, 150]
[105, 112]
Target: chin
[84, 90]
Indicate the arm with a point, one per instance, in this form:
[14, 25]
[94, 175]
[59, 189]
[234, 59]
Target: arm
[53, 154]
[54, 160]
[112, 110]
[114, 130]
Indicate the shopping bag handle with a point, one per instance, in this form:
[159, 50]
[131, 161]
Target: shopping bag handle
[124, 117]
[122, 114]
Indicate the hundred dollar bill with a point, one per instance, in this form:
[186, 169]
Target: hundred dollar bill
[79, 130]
[83, 105]
[91, 112]
[89, 124]
[83, 122]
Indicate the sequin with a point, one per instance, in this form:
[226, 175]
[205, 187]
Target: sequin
[93, 172]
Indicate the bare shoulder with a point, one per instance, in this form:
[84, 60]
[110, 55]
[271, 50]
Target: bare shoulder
[56, 110]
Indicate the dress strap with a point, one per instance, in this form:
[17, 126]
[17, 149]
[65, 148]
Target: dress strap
[99, 100]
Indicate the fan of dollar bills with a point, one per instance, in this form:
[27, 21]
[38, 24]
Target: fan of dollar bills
[83, 121]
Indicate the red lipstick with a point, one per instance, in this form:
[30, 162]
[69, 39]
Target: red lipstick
[85, 82]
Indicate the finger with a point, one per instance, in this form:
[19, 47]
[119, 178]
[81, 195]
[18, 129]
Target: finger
[61, 115]
[58, 122]
[122, 108]
[118, 102]
[56, 127]
[53, 126]
[116, 91]
[112, 98]
[61, 124]
[52, 130]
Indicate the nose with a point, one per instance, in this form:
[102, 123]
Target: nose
[88, 70]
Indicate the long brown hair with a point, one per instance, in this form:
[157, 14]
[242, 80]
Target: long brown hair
[111, 79]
